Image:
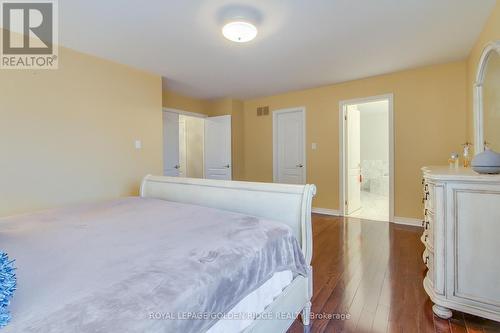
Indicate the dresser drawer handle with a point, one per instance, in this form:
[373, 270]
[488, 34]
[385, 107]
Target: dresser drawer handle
[426, 187]
[426, 260]
[423, 181]
[425, 212]
[427, 225]
[426, 197]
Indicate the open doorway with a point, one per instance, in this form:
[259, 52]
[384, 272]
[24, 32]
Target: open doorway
[191, 146]
[183, 144]
[196, 146]
[367, 158]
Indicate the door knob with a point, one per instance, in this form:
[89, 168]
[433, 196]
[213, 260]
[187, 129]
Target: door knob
[299, 165]
[177, 166]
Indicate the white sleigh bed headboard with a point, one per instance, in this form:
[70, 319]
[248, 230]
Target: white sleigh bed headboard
[290, 204]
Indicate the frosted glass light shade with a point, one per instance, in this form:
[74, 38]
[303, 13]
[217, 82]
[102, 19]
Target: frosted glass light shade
[239, 32]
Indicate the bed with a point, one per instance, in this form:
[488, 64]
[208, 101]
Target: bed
[187, 255]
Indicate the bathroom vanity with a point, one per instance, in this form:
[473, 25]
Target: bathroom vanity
[462, 241]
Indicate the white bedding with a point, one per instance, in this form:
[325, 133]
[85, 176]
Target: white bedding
[252, 304]
[107, 267]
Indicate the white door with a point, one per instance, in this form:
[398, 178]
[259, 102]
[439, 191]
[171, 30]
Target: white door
[353, 149]
[170, 144]
[289, 146]
[218, 148]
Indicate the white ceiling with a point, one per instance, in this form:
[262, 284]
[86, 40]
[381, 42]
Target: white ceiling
[301, 43]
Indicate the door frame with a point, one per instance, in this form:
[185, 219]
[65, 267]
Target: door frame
[182, 123]
[189, 114]
[165, 113]
[342, 149]
[301, 109]
[185, 113]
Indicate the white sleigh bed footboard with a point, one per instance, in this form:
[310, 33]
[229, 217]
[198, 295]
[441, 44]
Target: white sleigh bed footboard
[289, 204]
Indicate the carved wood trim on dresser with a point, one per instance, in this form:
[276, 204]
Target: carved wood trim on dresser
[462, 239]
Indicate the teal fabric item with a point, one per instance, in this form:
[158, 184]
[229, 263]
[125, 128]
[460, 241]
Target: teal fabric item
[7, 287]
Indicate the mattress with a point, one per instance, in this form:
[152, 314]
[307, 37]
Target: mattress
[242, 315]
[140, 265]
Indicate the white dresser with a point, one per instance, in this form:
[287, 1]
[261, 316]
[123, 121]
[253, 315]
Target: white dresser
[462, 241]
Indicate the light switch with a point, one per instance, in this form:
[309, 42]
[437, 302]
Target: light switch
[138, 144]
[314, 146]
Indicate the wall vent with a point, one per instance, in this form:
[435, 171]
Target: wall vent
[263, 111]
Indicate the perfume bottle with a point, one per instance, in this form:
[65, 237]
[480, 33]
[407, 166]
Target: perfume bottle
[466, 154]
[454, 160]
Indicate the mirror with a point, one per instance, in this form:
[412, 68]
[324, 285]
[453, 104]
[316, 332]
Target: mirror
[491, 102]
[487, 99]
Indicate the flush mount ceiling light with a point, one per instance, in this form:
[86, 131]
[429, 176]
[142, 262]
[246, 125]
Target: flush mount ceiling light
[239, 31]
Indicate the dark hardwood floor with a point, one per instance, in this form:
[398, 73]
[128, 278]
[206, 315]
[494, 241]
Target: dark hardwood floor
[371, 274]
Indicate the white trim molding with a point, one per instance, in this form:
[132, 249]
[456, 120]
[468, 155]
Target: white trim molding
[302, 109]
[326, 211]
[185, 113]
[408, 221]
[478, 95]
[342, 123]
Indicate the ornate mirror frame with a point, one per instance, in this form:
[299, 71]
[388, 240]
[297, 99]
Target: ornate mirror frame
[478, 95]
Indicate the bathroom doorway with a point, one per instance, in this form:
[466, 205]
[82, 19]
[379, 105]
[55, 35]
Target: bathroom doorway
[367, 158]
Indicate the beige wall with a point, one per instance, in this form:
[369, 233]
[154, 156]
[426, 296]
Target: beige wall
[68, 134]
[429, 118]
[238, 146]
[219, 107]
[173, 100]
[195, 128]
[490, 32]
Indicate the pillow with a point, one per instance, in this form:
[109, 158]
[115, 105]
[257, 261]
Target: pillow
[7, 287]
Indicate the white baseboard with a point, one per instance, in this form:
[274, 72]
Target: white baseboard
[408, 221]
[325, 211]
[398, 220]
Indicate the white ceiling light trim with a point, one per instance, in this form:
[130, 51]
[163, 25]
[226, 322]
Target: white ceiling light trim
[239, 31]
